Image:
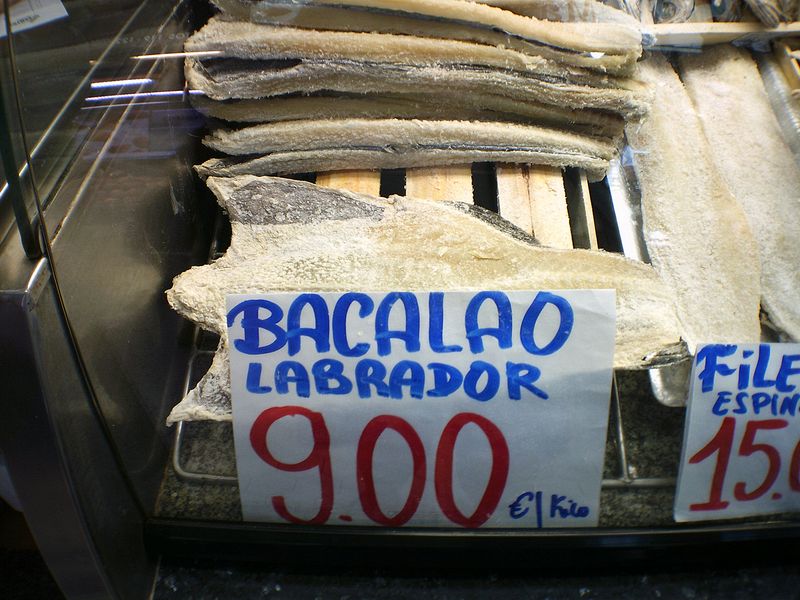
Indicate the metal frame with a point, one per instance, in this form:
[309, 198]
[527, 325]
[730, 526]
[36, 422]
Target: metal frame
[80, 501]
[76, 501]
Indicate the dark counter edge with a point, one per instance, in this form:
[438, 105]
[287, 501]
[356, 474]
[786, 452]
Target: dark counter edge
[332, 546]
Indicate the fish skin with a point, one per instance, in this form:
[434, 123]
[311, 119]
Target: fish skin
[331, 240]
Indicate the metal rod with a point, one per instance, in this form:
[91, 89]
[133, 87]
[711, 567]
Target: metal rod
[641, 482]
[177, 463]
[620, 434]
[192, 475]
[27, 235]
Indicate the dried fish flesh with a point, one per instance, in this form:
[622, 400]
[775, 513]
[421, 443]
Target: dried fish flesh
[473, 107]
[697, 235]
[579, 11]
[758, 166]
[291, 235]
[409, 61]
[611, 45]
[288, 163]
[391, 143]
[224, 79]
[331, 18]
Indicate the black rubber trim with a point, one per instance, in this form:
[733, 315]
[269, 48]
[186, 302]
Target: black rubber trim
[379, 547]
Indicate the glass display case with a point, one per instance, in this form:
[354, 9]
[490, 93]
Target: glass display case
[101, 208]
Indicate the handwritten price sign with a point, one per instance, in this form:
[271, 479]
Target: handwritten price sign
[741, 451]
[460, 409]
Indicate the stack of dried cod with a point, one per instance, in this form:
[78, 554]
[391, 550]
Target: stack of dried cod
[317, 85]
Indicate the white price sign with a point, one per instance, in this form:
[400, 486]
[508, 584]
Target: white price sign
[451, 409]
[741, 448]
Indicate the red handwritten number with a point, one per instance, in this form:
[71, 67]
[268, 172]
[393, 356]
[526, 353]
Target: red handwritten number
[319, 457]
[747, 447]
[364, 473]
[794, 469]
[443, 477]
[720, 444]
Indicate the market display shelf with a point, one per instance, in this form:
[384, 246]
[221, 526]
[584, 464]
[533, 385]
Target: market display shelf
[643, 442]
[644, 434]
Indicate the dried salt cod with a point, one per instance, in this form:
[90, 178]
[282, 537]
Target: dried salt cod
[283, 60]
[290, 235]
[288, 163]
[472, 107]
[587, 11]
[758, 166]
[696, 233]
[612, 46]
[225, 79]
[697, 236]
[299, 146]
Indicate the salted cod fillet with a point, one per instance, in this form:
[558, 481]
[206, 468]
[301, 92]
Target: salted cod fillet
[227, 79]
[576, 37]
[758, 166]
[392, 143]
[586, 11]
[290, 235]
[303, 61]
[474, 107]
[344, 16]
[696, 234]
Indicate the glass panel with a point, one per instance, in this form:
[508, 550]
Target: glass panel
[55, 61]
[111, 136]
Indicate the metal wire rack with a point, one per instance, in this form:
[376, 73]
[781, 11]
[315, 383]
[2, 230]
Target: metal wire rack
[627, 473]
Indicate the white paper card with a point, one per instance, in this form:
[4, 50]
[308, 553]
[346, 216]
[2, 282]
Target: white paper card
[27, 14]
[471, 409]
[740, 451]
